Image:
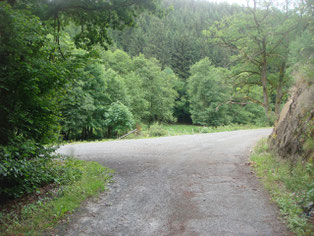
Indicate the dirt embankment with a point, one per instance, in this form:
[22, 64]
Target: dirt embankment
[292, 136]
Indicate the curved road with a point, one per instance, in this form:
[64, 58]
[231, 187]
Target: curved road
[183, 185]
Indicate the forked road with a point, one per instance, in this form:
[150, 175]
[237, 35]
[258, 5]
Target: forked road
[184, 185]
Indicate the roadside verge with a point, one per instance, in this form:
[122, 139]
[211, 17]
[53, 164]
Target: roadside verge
[291, 186]
[53, 203]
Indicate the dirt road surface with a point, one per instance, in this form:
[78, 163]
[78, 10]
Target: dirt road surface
[184, 185]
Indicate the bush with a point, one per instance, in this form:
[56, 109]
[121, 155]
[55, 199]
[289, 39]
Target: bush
[205, 130]
[157, 130]
[119, 119]
[38, 215]
[27, 166]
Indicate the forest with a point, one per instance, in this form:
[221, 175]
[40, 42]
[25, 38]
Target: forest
[87, 70]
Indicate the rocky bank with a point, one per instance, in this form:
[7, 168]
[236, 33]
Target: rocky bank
[292, 137]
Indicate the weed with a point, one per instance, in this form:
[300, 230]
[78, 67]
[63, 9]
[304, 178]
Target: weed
[157, 130]
[290, 185]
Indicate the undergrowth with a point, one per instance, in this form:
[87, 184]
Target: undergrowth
[159, 130]
[291, 187]
[86, 180]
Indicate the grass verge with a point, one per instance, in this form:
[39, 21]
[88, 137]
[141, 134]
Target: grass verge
[290, 185]
[35, 217]
[159, 130]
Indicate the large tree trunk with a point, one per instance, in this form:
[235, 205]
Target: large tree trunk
[279, 88]
[90, 132]
[109, 129]
[84, 134]
[4, 127]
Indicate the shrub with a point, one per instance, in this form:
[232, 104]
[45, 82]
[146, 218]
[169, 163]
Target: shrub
[157, 130]
[205, 130]
[37, 216]
[27, 166]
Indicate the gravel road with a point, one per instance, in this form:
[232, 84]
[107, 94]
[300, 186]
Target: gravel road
[183, 185]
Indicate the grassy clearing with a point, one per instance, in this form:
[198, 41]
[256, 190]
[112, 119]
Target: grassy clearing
[291, 186]
[159, 130]
[35, 217]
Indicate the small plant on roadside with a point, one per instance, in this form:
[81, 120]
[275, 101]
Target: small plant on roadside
[157, 130]
[27, 166]
[205, 130]
[290, 185]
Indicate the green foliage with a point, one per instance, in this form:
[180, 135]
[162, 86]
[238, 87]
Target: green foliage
[158, 89]
[56, 77]
[26, 166]
[121, 63]
[86, 179]
[180, 129]
[30, 85]
[42, 73]
[211, 102]
[116, 89]
[139, 106]
[140, 84]
[258, 57]
[119, 119]
[117, 60]
[248, 113]
[20, 172]
[151, 90]
[301, 55]
[290, 185]
[176, 40]
[93, 19]
[210, 97]
[88, 99]
[163, 129]
[208, 94]
[205, 130]
[29, 82]
[157, 130]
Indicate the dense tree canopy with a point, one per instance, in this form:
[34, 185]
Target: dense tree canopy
[258, 38]
[137, 83]
[32, 60]
[208, 93]
[29, 81]
[176, 40]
